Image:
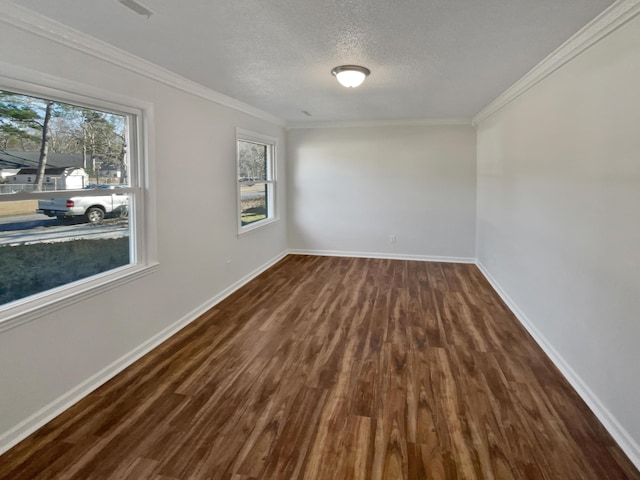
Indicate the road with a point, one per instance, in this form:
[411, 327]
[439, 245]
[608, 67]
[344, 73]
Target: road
[22, 222]
[29, 229]
[251, 192]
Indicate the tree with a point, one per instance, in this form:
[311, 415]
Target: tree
[44, 148]
[44, 126]
[23, 119]
[252, 160]
[103, 138]
[19, 122]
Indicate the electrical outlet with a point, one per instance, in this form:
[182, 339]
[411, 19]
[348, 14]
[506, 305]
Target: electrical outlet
[392, 239]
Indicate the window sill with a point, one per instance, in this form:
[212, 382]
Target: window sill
[257, 226]
[56, 300]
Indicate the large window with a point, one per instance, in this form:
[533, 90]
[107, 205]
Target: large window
[256, 180]
[67, 224]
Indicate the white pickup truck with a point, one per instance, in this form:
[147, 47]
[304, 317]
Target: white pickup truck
[92, 208]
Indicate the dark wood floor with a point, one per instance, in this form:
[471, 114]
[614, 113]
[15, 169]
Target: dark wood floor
[335, 368]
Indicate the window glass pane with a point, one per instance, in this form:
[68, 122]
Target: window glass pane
[253, 202]
[252, 159]
[47, 242]
[40, 252]
[256, 179]
[50, 145]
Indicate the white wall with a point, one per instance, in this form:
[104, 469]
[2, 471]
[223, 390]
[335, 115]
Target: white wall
[559, 222]
[350, 189]
[195, 186]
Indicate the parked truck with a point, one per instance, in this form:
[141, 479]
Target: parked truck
[92, 209]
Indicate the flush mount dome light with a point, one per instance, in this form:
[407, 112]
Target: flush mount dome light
[350, 76]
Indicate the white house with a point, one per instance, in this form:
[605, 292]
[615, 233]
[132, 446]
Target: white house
[8, 172]
[110, 171]
[56, 178]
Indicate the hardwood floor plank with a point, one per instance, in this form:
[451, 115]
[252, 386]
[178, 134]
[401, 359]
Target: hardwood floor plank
[139, 468]
[293, 446]
[335, 368]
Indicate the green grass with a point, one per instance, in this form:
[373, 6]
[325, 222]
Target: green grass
[247, 219]
[253, 210]
[29, 269]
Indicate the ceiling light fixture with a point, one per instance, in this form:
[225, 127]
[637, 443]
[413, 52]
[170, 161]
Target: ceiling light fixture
[350, 76]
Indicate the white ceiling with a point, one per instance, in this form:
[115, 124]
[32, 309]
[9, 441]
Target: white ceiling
[429, 59]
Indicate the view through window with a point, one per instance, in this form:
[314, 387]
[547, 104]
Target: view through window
[65, 193]
[256, 179]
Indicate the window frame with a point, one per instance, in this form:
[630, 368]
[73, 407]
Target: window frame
[271, 162]
[142, 232]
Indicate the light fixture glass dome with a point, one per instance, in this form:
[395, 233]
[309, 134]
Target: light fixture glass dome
[350, 76]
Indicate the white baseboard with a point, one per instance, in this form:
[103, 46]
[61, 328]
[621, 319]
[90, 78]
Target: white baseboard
[608, 420]
[25, 428]
[386, 256]
[49, 412]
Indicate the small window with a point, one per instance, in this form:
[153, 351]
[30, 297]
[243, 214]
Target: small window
[256, 180]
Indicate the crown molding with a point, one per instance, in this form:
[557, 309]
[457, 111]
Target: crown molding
[33, 22]
[436, 122]
[607, 22]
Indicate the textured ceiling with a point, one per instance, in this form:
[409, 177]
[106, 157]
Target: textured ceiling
[429, 59]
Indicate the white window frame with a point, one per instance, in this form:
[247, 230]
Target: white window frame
[142, 238]
[272, 152]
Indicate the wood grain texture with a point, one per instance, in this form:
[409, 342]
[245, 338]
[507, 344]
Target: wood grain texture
[335, 368]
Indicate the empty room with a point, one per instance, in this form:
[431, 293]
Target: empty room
[316, 240]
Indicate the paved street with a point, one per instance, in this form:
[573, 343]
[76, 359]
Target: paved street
[252, 192]
[29, 229]
[23, 222]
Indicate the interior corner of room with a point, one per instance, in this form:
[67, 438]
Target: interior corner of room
[539, 187]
